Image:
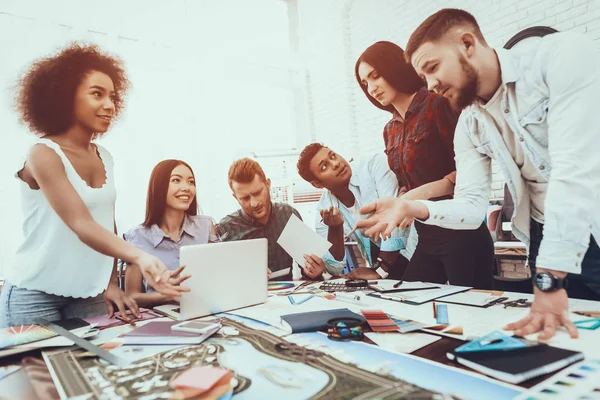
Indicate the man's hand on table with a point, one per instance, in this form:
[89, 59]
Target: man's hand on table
[549, 311]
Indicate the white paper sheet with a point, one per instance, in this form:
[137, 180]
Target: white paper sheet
[280, 273]
[401, 342]
[297, 239]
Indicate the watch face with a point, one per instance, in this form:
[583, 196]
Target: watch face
[544, 281]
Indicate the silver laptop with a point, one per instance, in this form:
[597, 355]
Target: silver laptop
[225, 276]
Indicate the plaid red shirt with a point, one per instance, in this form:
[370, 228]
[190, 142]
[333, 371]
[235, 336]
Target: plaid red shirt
[420, 147]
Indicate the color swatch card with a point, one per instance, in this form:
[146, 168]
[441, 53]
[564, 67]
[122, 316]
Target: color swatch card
[284, 286]
[407, 325]
[22, 334]
[380, 321]
[578, 382]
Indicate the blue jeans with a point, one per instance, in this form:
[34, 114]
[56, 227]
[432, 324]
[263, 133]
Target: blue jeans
[584, 286]
[23, 306]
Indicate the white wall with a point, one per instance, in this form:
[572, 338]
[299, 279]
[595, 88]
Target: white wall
[210, 83]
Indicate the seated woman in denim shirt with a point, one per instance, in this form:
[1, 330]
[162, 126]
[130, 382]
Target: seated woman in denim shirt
[171, 222]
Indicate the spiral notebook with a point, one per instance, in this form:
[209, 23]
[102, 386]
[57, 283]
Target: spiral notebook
[517, 366]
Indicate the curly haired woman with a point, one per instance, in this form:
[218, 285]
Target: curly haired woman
[65, 266]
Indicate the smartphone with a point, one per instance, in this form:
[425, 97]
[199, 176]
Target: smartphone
[200, 327]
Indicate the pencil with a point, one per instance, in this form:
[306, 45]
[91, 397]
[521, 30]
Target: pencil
[591, 314]
[355, 228]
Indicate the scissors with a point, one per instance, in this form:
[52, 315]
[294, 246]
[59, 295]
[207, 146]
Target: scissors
[589, 324]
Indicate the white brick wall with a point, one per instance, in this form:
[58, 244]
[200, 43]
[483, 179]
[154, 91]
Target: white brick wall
[333, 33]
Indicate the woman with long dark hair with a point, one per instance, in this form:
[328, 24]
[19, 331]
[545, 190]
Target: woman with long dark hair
[171, 222]
[420, 151]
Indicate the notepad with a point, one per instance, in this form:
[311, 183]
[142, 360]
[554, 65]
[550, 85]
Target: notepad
[518, 365]
[315, 320]
[159, 332]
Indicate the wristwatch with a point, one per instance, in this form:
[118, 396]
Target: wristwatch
[547, 282]
[379, 269]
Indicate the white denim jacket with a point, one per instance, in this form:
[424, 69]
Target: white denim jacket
[551, 102]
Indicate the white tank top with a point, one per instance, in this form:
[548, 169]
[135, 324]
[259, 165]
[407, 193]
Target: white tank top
[51, 258]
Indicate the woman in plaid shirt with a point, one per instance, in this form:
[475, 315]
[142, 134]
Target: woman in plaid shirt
[419, 146]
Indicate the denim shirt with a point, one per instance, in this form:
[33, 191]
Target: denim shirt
[551, 87]
[371, 178]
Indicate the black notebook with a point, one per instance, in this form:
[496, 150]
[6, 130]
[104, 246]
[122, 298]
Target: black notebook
[517, 366]
[315, 320]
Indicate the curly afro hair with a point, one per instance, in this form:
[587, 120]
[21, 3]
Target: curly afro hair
[47, 90]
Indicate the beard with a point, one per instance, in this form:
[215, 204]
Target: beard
[468, 93]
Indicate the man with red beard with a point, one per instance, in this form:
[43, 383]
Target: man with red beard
[533, 111]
